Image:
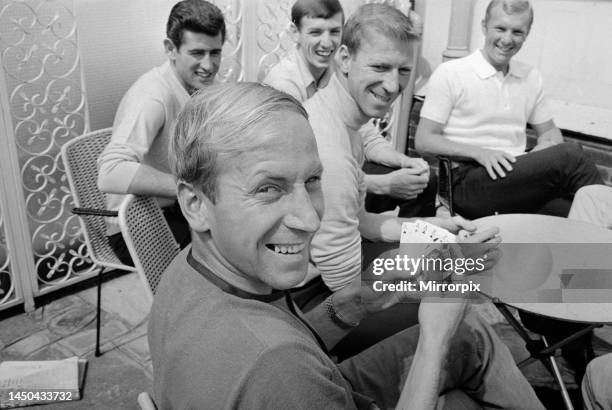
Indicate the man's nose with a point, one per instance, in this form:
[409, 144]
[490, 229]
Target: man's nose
[303, 215]
[506, 37]
[391, 82]
[206, 62]
[325, 39]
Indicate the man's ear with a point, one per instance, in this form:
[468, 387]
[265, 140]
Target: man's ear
[170, 49]
[344, 59]
[196, 206]
[294, 32]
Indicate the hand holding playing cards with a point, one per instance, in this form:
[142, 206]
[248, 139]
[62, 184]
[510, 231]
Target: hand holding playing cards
[453, 224]
[483, 244]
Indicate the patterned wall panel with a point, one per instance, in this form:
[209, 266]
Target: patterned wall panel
[41, 68]
[231, 66]
[7, 280]
[272, 36]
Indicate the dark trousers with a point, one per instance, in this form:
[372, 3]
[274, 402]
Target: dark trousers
[421, 206]
[177, 223]
[541, 182]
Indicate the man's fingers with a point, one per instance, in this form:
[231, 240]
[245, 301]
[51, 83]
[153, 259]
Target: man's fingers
[497, 168]
[506, 163]
[490, 171]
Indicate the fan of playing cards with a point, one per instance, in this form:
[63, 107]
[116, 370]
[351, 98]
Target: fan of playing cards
[424, 232]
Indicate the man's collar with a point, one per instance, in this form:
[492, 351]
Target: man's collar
[306, 75]
[484, 69]
[226, 286]
[347, 107]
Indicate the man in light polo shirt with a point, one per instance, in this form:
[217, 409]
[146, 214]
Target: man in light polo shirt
[475, 111]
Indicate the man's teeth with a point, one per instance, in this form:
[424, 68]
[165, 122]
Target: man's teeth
[323, 53]
[288, 249]
[380, 97]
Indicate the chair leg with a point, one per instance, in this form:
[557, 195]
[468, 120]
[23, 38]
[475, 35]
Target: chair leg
[97, 353]
[559, 378]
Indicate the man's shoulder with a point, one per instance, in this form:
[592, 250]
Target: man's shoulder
[154, 84]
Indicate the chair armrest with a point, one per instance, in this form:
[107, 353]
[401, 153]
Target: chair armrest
[94, 211]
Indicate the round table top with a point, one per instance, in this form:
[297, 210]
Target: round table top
[553, 266]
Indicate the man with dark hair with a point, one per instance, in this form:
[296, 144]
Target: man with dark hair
[476, 112]
[136, 159]
[224, 331]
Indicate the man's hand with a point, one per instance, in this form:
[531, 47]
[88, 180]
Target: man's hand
[417, 165]
[407, 183]
[454, 224]
[496, 162]
[483, 244]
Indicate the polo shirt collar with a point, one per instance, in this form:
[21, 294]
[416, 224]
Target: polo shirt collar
[347, 108]
[306, 75]
[484, 69]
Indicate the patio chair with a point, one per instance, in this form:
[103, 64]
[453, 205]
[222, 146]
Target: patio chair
[80, 156]
[148, 238]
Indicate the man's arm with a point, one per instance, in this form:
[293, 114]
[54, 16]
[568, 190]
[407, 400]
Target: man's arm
[430, 139]
[405, 183]
[121, 170]
[548, 135]
[438, 321]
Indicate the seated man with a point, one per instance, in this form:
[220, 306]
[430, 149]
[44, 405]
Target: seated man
[392, 178]
[375, 59]
[225, 333]
[136, 159]
[593, 204]
[476, 110]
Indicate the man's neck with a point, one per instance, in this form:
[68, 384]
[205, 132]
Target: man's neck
[361, 117]
[207, 254]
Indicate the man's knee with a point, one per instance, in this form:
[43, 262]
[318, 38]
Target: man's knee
[596, 387]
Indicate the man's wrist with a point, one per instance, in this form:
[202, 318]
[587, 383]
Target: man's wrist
[377, 184]
[345, 311]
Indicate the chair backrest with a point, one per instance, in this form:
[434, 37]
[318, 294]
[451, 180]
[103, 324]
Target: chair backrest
[148, 238]
[80, 157]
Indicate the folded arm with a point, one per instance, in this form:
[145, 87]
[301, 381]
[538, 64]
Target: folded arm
[548, 135]
[121, 170]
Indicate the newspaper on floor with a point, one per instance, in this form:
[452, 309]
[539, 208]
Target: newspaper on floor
[26, 383]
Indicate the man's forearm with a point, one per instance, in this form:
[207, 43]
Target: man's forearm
[439, 145]
[377, 184]
[385, 154]
[422, 386]
[149, 181]
[379, 227]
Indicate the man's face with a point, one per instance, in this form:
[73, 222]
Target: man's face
[269, 204]
[504, 36]
[378, 72]
[318, 39]
[197, 60]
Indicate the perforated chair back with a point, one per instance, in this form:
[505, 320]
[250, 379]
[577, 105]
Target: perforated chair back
[80, 156]
[148, 238]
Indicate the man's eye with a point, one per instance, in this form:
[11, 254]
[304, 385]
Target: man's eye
[315, 33]
[313, 182]
[268, 189]
[405, 71]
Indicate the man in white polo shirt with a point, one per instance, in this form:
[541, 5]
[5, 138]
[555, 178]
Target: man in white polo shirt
[476, 111]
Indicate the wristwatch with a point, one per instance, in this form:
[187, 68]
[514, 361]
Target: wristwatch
[337, 317]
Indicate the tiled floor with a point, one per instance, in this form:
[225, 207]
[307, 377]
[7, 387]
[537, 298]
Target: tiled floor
[66, 327]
